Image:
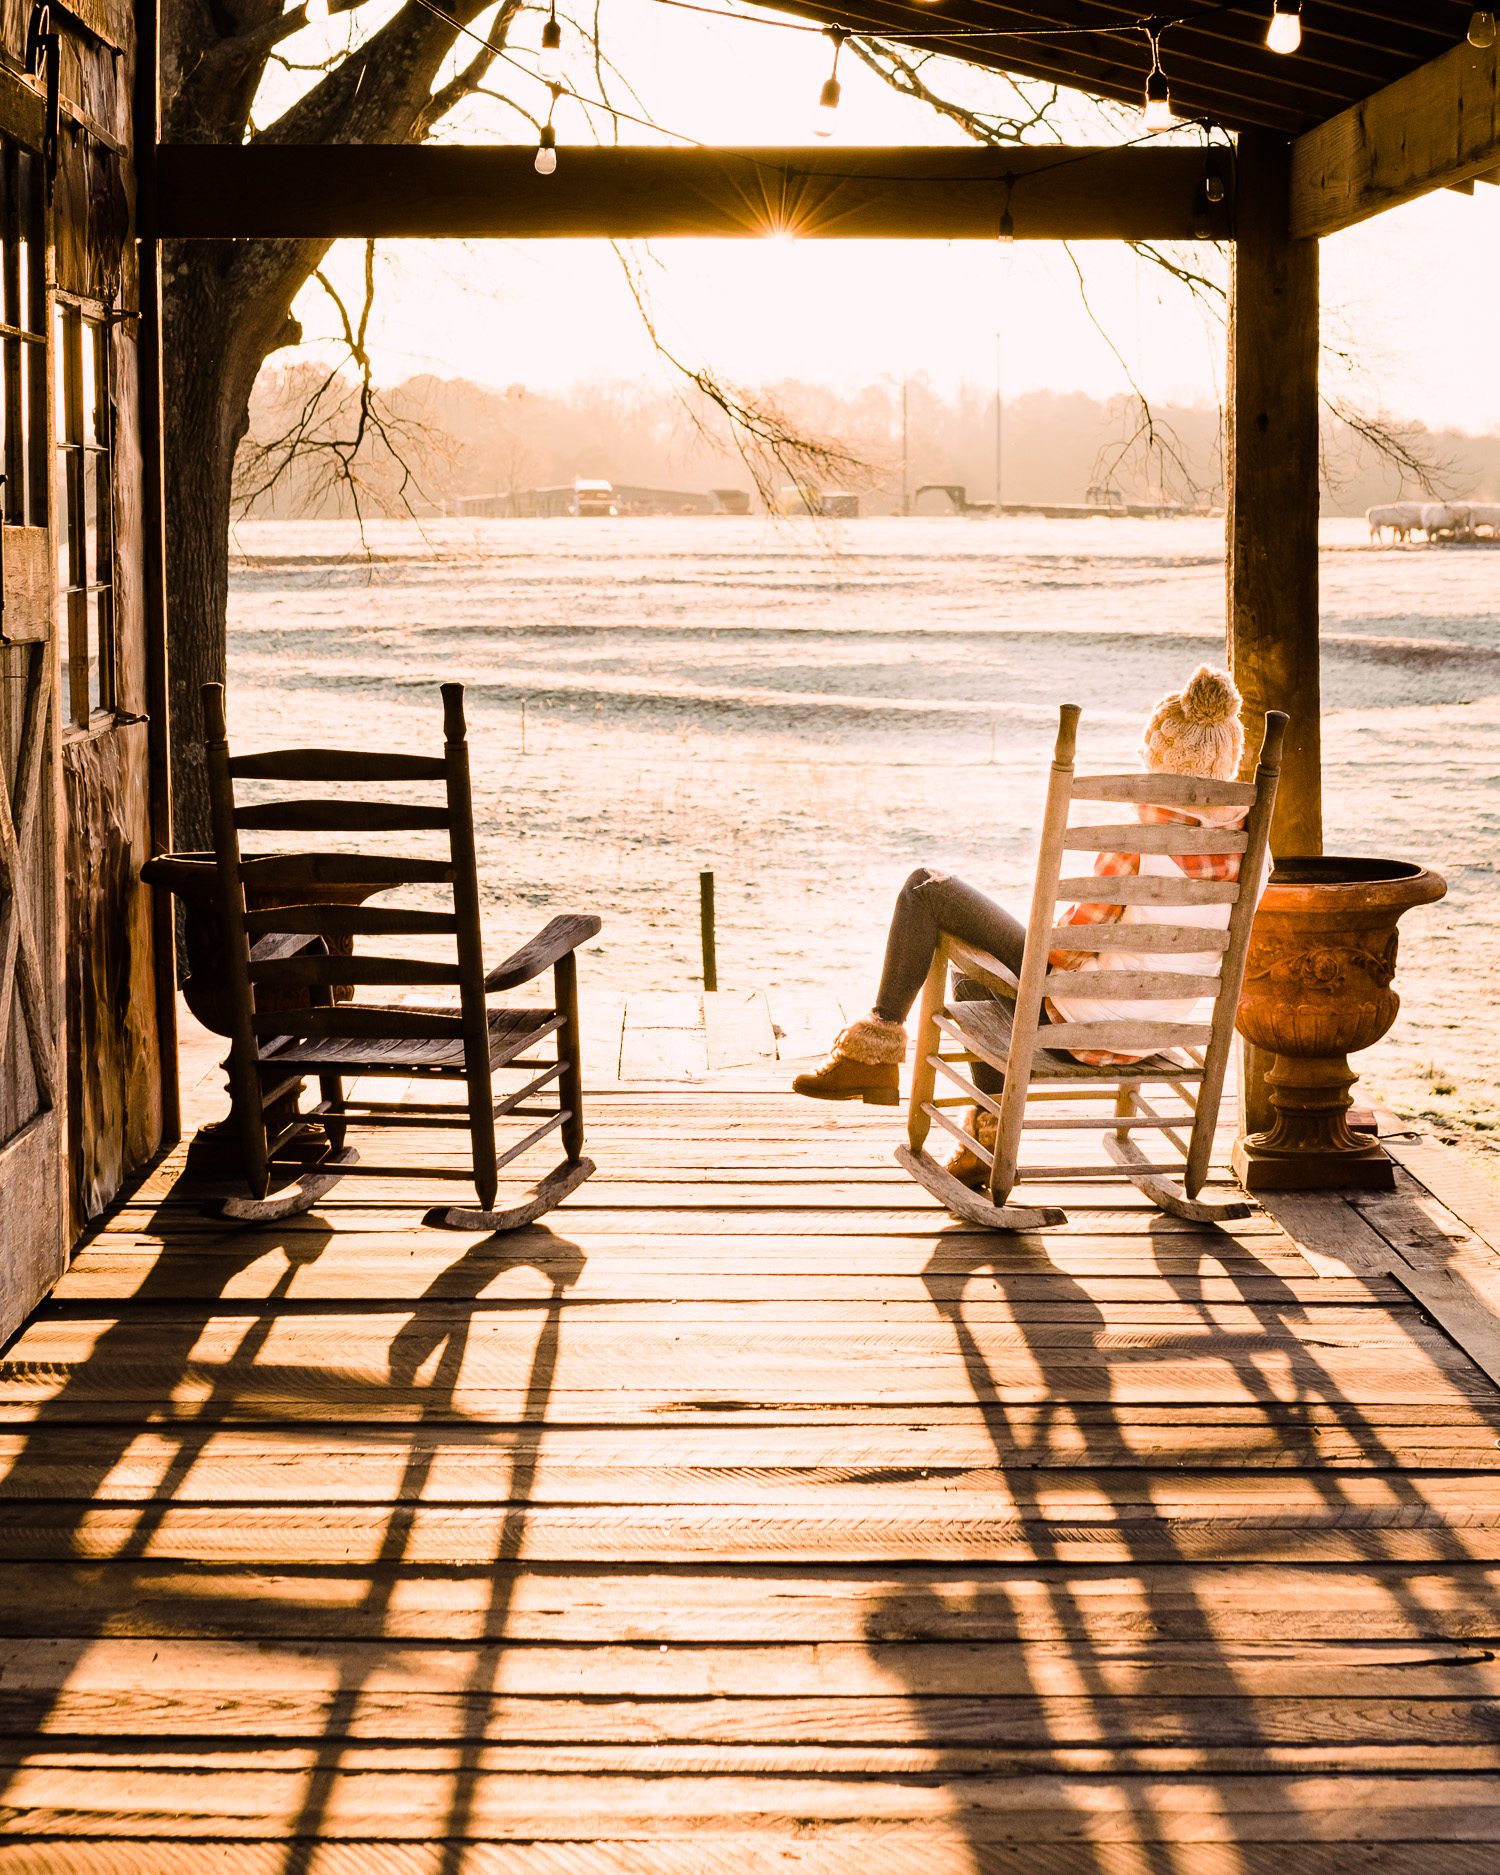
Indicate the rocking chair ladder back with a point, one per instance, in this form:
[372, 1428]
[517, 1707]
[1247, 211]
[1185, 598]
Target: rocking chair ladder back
[288, 951]
[1009, 1035]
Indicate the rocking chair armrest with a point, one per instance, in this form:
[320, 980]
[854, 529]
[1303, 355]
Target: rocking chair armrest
[564, 934]
[981, 967]
[275, 945]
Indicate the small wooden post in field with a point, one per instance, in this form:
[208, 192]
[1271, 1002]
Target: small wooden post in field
[706, 921]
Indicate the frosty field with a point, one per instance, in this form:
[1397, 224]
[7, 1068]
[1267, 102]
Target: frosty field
[812, 711]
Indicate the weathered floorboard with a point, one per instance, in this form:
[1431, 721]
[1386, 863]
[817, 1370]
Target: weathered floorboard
[750, 1514]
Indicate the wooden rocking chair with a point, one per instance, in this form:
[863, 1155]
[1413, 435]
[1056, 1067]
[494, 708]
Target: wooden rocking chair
[290, 948]
[1008, 1034]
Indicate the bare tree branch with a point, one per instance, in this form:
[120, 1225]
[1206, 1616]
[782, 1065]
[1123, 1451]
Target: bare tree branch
[342, 440]
[1393, 444]
[773, 448]
[903, 73]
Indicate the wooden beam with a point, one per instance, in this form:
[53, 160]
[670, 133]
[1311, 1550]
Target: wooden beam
[1271, 518]
[1271, 509]
[213, 191]
[1437, 127]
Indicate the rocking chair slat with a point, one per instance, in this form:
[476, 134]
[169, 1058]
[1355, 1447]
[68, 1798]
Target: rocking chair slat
[335, 765]
[1127, 1037]
[297, 972]
[1176, 939]
[340, 817]
[1164, 790]
[291, 872]
[1128, 986]
[1128, 837]
[351, 921]
[1146, 889]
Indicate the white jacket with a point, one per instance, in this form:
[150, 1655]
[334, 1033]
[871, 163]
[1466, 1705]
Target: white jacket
[1189, 963]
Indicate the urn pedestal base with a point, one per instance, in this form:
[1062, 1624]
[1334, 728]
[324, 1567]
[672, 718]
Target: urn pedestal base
[1260, 1170]
[1310, 1145]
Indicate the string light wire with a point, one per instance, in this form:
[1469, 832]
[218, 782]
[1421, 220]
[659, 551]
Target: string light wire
[786, 171]
[1158, 22]
[646, 123]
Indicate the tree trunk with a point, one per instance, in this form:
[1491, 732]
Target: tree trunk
[227, 305]
[217, 331]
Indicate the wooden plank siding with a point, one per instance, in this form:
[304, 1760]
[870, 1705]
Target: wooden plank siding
[747, 1514]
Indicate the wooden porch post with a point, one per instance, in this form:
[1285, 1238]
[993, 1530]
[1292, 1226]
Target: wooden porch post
[1271, 508]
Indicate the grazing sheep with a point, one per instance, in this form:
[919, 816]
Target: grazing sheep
[1485, 514]
[1399, 516]
[1445, 520]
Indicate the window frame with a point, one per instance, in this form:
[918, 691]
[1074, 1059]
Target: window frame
[88, 593]
[24, 501]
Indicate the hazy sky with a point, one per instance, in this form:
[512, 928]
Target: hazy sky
[1413, 294]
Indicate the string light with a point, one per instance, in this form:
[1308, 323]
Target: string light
[828, 98]
[1481, 28]
[1007, 233]
[1213, 180]
[546, 149]
[1284, 34]
[1158, 112]
[314, 11]
[549, 61]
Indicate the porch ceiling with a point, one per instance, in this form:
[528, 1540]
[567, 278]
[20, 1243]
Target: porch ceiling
[1216, 62]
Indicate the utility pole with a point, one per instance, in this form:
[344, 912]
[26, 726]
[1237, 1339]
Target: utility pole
[999, 410]
[905, 497]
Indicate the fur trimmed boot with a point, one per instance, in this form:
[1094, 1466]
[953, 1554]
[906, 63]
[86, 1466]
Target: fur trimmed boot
[967, 1167]
[863, 1064]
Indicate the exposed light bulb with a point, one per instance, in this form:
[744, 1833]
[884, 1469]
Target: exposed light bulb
[1481, 28]
[546, 152]
[1213, 182]
[1007, 233]
[828, 97]
[1158, 112]
[315, 10]
[549, 61]
[1284, 34]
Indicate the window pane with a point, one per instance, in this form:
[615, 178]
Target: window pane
[101, 562]
[88, 383]
[61, 381]
[101, 666]
[23, 279]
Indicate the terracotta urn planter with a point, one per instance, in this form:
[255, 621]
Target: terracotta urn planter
[1318, 986]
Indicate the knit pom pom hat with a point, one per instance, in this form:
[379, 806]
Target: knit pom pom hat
[1196, 731]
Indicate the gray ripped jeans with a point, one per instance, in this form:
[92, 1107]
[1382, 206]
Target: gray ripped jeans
[929, 904]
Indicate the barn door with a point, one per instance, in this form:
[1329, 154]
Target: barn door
[33, 1206]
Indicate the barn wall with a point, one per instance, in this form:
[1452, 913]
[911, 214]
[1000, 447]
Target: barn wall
[114, 1064]
[114, 1086]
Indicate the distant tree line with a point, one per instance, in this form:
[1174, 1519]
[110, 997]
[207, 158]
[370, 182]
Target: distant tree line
[456, 438]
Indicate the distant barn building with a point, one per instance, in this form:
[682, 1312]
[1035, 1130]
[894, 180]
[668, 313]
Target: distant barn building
[599, 499]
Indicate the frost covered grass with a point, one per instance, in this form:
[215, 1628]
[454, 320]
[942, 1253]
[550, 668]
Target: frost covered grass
[811, 712]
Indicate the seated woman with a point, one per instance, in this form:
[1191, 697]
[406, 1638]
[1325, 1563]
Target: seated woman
[1194, 731]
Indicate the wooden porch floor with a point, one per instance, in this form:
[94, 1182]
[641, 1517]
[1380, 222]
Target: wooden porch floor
[750, 1515]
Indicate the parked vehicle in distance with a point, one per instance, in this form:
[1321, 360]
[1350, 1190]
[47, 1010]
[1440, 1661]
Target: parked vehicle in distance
[594, 499]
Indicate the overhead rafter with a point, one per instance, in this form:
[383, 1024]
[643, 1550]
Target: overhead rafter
[1436, 127]
[386, 191]
[1217, 62]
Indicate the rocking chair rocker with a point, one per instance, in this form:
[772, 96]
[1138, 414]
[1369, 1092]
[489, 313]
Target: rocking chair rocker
[1188, 1059]
[290, 949]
